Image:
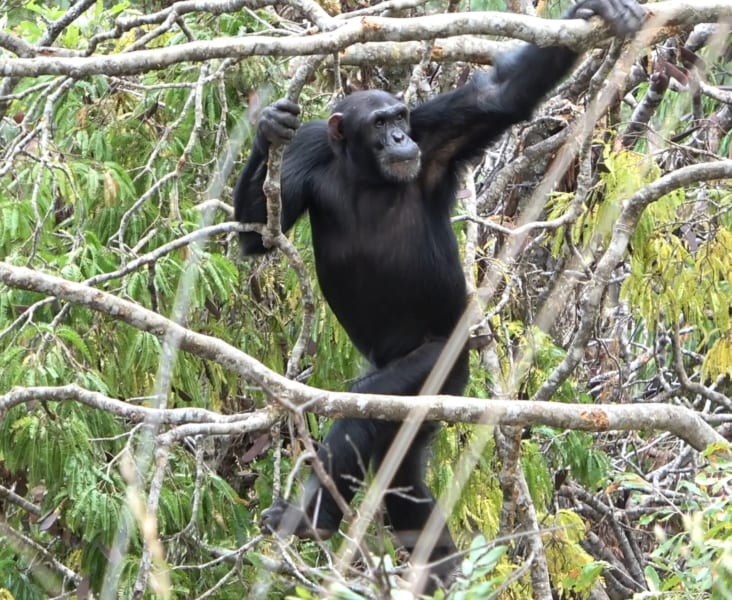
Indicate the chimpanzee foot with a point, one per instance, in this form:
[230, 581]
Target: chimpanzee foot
[444, 559]
[283, 518]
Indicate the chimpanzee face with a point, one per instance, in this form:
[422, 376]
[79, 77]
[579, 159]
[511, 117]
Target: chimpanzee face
[396, 153]
[374, 126]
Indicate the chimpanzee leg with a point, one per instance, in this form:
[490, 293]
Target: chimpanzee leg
[351, 445]
[405, 376]
[409, 504]
[345, 454]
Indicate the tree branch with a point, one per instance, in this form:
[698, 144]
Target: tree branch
[623, 230]
[684, 423]
[574, 33]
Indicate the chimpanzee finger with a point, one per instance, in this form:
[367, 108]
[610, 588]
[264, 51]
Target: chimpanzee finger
[622, 16]
[276, 132]
[285, 105]
[279, 121]
[286, 120]
[629, 16]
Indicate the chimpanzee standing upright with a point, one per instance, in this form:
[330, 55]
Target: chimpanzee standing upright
[379, 183]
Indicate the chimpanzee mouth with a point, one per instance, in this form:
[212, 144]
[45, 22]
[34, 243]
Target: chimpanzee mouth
[403, 170]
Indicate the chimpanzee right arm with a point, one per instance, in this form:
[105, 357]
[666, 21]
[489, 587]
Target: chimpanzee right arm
[306, 150]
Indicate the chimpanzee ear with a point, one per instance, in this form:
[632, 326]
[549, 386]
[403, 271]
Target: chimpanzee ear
[335, 127]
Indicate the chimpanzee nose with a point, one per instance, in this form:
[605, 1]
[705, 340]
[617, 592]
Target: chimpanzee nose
[398, 136]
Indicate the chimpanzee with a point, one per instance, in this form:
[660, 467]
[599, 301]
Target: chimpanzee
[379, 183]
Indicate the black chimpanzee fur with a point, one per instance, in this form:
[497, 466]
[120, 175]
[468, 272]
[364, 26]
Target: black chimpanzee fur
[379, 183]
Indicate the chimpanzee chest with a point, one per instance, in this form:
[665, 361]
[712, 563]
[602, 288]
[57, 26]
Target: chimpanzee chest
[390, 270]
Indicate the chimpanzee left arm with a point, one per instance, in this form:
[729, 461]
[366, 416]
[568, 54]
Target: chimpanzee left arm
[458, 125]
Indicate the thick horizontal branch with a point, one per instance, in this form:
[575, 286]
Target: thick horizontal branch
[681, 421]
[684, 423]
[365, 29]
[466, 48]
[544, 32]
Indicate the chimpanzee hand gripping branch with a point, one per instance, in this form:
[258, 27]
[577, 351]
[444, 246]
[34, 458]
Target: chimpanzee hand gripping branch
[379, 183]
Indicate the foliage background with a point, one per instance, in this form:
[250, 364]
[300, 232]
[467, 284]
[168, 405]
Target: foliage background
[98, 171]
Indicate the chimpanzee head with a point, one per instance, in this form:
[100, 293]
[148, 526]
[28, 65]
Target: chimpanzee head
[371, 129]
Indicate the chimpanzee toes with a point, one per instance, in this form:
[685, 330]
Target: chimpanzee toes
[274, 519]
[283, 519]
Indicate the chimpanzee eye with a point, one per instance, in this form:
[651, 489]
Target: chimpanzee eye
[400, 117]
[379, 123]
